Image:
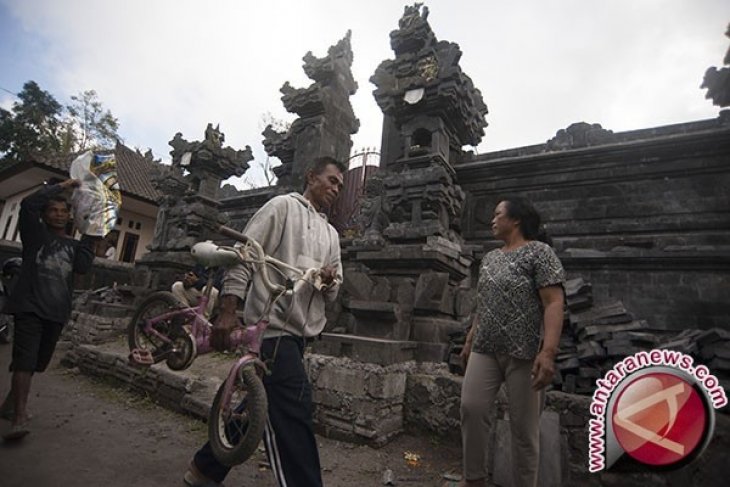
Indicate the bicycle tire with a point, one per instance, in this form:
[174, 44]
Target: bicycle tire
[222, 427]
[185, 353]
[154, 305]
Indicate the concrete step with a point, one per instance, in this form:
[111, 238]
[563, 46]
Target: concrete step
[381, 351]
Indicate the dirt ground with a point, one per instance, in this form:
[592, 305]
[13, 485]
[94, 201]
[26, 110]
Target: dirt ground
[87, 433]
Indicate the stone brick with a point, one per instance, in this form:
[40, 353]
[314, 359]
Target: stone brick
[326, 398]
[343, 380]
[358, 285]
[386, 385]
[195, 406]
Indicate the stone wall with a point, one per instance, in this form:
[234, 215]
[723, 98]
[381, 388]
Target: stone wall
[178, 392]
[671, 297]
[370, 404]
[85, 328]
[644, 216]
[104, 273]
[355, 401]
[239, 209]
[432, 407]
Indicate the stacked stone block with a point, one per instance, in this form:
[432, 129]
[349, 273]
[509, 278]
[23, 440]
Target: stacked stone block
[86, 328]
[175, 391]
[357, 402]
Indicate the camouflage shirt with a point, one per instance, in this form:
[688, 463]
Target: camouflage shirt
[509, 309]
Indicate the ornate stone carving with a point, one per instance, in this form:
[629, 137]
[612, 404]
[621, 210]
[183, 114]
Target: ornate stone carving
[579, 135]
[717, 81]
[169, 181]
[413, 30]
[374, 212]
[424, 203]
[423, 62]
[189, 205]
[213, 136]
[209, 160]
[326, 119]
[432, 110]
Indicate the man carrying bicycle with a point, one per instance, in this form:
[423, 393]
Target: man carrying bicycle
[292, 229]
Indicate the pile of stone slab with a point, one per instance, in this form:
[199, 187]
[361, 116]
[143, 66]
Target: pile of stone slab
[593, 340]
[578, 294]
[596, 337]
[708, 347]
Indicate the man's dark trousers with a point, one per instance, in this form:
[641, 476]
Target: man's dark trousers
[289, 436]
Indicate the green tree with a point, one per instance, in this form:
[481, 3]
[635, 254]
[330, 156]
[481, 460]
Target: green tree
[88, 125]
[34, 125]
[39, 123]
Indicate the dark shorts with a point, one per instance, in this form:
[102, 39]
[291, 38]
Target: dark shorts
[34, 341]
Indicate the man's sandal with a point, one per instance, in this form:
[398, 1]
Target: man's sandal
[17, 431]
[193, 478]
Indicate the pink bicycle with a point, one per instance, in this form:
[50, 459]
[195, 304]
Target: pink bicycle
[162, 328]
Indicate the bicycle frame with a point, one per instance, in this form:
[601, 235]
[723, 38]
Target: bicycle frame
[182, 333]
[200, 329]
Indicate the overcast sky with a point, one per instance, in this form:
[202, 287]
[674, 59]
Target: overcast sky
[163, 66]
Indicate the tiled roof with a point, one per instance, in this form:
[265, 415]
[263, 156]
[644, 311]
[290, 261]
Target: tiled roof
[134, 173]
[133, 170]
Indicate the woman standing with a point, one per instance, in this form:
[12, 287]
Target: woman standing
[513, 340]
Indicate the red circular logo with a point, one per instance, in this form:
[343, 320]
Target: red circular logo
[659, 419]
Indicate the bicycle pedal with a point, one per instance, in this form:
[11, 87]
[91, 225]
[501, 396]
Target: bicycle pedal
[141, 357]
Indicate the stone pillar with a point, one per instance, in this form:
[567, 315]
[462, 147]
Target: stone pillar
[717, 82]
[410, 277]
[326, 119]
[189, 211]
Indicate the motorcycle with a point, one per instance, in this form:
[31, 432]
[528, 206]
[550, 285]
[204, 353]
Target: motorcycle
[8, 278]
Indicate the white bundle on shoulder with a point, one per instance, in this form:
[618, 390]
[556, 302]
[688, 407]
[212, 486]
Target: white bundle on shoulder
[97, 200]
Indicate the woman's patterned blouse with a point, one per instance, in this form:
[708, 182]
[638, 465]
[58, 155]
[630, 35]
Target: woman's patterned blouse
[509, 309]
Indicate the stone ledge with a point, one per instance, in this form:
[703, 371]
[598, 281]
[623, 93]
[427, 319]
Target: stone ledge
[182, 393]
[418, 397]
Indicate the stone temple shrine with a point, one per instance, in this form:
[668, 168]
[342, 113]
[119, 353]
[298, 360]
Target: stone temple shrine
[640, 220]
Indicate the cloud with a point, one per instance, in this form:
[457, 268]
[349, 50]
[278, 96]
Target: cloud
[6, 101]
[172, 66]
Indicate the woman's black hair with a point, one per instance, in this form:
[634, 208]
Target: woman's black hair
[519, 208]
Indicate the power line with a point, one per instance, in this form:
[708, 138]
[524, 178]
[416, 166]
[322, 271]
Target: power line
[11, 92]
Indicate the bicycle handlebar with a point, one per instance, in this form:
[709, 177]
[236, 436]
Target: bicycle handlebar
[214, 255]
[231, 233]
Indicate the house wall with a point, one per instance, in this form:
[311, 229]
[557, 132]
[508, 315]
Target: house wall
[132, 222]
[9, 215]
[136, 224]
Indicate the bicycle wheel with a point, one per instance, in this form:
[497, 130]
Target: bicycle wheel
[236, 426]
[183, 352]
[155, 304]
